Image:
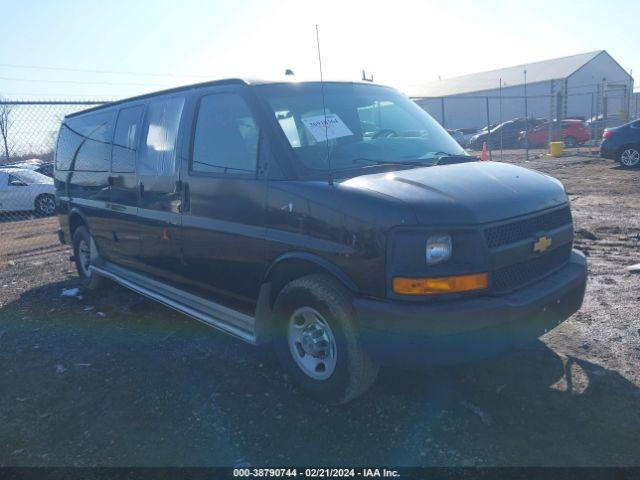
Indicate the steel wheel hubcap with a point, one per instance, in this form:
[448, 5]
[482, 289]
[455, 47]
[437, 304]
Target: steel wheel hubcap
[84, 256]
[630, 157]
[312, 343]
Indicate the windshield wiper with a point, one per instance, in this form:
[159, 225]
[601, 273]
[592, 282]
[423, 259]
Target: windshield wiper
[386, 162]
[444, 158]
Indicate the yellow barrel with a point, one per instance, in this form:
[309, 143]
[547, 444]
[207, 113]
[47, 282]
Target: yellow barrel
[556, 148]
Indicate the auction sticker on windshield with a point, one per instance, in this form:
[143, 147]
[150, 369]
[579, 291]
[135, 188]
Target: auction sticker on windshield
[326, 127]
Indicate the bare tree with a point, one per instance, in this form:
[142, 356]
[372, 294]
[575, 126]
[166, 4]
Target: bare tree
[5, 125]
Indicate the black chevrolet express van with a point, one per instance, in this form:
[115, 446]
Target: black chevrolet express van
[337, 221]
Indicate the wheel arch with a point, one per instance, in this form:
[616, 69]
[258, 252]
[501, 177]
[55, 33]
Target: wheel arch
[292, 265]
[76, 219]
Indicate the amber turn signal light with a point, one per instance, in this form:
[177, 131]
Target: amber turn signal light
[432, 286]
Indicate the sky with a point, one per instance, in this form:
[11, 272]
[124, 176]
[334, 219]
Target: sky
[65, 49]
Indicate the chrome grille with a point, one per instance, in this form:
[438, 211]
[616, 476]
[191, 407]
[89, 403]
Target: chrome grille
[518, 275]
[519, 230]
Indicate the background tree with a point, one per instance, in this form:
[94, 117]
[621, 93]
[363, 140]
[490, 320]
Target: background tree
[5, 125]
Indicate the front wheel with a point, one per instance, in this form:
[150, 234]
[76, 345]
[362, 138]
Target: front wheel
[629, 157]
[317, 341]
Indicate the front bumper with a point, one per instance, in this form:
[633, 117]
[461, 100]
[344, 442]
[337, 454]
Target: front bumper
[450, 332]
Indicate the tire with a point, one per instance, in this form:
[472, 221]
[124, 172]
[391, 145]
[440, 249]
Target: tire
[45, 205]
[570, 142]
[314, 313]
[83, 257]
[629, 156]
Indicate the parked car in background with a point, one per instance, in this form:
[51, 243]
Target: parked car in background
[598, 124]
[506, 134]
[463, 135]
[25, 190]
[45, 168]
[574, 133]
[458, 136]
[467, 133]
[622, 143]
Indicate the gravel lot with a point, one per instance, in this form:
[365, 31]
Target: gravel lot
[111, 378]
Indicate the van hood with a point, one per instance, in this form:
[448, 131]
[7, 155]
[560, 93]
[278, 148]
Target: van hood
[467, 193]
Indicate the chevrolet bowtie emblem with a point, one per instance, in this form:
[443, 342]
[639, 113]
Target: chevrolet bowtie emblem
[542, 244]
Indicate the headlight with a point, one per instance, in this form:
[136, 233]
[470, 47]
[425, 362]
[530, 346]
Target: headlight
[438, 249]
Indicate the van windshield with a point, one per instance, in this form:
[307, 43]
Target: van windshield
[358, 125]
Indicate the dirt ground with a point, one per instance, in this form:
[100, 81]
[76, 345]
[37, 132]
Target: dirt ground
[112, 379]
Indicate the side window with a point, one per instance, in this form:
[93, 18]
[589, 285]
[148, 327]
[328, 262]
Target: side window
[85, 142]
[16, 181]
[125, 139]
[289, 127]
[163, 120]
[226, 136]
[67, 146]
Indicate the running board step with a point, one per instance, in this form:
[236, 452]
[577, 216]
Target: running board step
[210, 313]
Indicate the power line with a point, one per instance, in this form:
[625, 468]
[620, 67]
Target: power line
[83, 82]
[110, 72]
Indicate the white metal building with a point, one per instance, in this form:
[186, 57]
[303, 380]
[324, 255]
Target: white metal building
[584, 85]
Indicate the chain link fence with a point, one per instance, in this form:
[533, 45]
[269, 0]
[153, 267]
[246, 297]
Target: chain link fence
[534, 118]
[28, 132]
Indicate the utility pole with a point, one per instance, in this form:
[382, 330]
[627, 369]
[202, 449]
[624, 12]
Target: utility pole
[500, 115]
[592, 133]
[526, 118]
[551, 97]
[488, 130]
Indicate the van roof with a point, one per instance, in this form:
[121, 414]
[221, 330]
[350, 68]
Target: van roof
[224, 81]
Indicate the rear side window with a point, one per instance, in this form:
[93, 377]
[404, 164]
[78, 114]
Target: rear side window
[226, 136]
[84, 143]
[163, 120]
[125, 139]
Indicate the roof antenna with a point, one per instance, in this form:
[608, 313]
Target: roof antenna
[324, 109]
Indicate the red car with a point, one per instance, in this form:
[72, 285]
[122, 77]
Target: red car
[574, 133]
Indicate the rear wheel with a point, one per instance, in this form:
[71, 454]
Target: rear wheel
[570, 142]
[85, 253]
[317, 341]
[45, 205]
[629, 157]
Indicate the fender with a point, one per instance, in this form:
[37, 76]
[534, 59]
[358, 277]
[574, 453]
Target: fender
[77, 211]
[264, 326]
[314, 259]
